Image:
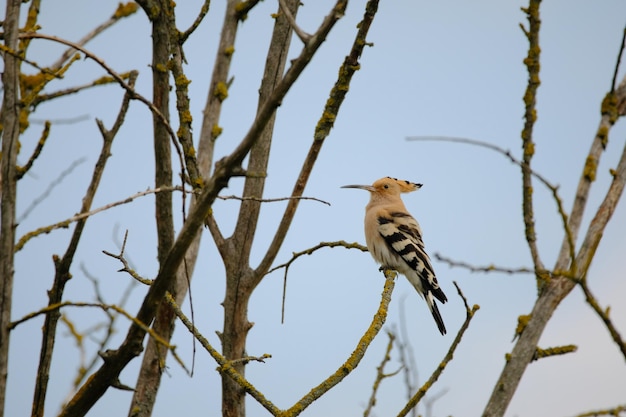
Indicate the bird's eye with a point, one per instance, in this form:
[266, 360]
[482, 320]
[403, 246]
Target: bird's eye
[386, 186]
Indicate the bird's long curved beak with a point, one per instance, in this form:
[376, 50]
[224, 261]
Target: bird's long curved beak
[360, 187]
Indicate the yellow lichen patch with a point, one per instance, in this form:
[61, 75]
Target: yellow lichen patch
[522, 322]
[182, 81]
[186, 117]
[216, 131]
[529, 150]
[228, 51]
[162, 68]
[23, 121]
[603, 135]
[559, 350]
[591, 166]
[124, 10]
[609, 107]
[221, 91]
[240, 8]
[104, 80]
[29, 82]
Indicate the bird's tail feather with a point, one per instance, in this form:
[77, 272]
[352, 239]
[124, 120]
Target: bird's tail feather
[435, 311]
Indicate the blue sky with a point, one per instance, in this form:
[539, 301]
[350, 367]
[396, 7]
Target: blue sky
[448, 68]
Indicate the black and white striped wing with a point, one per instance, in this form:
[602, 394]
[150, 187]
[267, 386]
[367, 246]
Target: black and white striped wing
[403, 236]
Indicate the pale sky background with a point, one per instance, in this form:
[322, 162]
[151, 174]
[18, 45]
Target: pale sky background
[446, 68]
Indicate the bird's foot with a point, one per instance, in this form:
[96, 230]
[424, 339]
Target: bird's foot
[386, 268]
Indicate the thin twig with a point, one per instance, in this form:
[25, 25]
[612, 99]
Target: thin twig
[42, 141]
[485, 269]
[123, 10]
[58, 180]
[618, 61]
[355, 358]
[407, 358]
[105, 308]
[530, 115]
[603, 314]
[270, 200]
[118, 78]
[380, 375]
[40, 98]
[221, 360]
[446, 360]
[310, 251]
[65, 223]
[615, 412]
[182, 38]
[554, 189]
[554, 351]
[324, 125]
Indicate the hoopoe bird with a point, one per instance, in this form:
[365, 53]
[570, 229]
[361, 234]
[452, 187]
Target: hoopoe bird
[394, 238]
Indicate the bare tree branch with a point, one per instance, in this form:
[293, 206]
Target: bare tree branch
[380, 375]
[65, 223]
[485, 269]
[42, 141]
[322, 131]
[310, 251]
[446, 360]
[358, 353]
[118, 78]
[62, 265]
[530, 116]
[304, 37]
[615, 412]
[604, 316]
[58, 180]
[99, 382]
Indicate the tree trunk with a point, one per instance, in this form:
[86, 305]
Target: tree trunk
[241, 280]
[153, 362]
[8, 174]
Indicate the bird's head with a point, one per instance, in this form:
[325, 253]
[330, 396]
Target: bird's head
[388, 187]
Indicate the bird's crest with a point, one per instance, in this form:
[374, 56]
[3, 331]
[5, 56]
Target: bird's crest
[404, 186]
